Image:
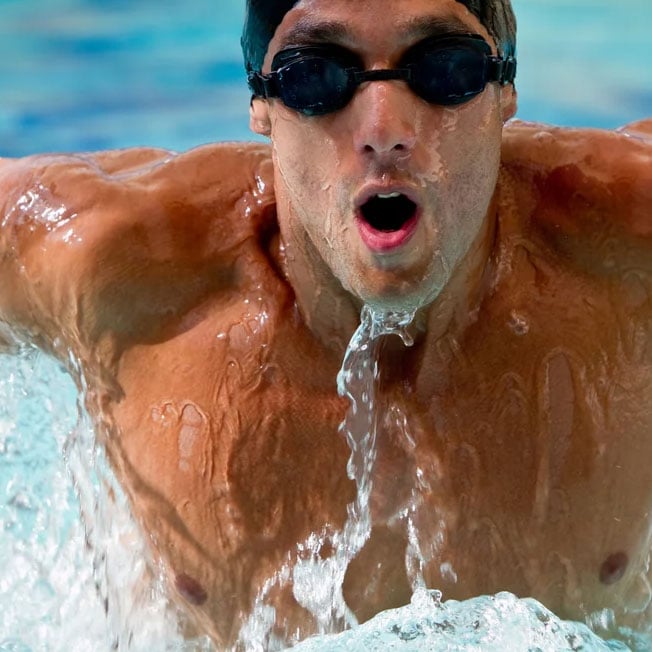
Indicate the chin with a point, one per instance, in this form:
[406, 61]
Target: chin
[398, 304]
[402, 299]
[407, 288]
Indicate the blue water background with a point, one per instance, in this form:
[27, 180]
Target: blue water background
[95, 74]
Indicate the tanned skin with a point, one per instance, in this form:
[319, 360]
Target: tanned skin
[210, 342]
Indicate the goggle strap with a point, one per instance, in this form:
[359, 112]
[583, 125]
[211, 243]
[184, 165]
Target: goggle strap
[263, 85]
[502, 70]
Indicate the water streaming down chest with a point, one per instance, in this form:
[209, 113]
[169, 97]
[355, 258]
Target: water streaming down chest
[317, 578]
[358, 381]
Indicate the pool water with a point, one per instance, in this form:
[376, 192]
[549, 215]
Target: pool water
[94, 74]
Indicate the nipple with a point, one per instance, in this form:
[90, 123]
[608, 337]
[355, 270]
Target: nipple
[190, 589]
[613, 568]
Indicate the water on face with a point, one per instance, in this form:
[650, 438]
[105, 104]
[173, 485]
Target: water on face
[89, 584]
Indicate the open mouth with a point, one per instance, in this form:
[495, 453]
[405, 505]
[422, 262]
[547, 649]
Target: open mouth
[387, 221]
[388, 213]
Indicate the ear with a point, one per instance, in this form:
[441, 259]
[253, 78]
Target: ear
[259, 120]
[508, 101]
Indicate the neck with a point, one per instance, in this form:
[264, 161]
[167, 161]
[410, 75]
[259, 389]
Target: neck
[457, 304]
[332, 313]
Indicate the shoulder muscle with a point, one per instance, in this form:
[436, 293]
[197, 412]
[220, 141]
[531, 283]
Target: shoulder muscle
[586, 190]
[111, 238]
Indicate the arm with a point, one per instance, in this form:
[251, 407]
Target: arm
[113, 245]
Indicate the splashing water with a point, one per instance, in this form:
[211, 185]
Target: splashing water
[497, 623]
[68, 585]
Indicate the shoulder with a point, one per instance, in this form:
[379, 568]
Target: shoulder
[133, 193]
[207, 178]
[582, 190]
[122, 237]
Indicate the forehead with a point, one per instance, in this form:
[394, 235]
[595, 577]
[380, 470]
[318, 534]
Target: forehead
[372, 25]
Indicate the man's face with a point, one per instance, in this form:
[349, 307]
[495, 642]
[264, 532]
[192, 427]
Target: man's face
[337, 175]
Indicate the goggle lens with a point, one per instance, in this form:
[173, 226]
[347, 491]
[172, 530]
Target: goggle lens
[449, 76]
[314, 85]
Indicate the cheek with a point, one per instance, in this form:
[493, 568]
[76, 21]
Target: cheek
[472, 149]
[304, 155]
[471, 185]
[308, 167]
[307, 171]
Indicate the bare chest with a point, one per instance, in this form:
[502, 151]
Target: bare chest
[526, 442]
[537, 396]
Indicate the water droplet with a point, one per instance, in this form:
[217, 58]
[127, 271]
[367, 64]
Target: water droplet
[518, 324]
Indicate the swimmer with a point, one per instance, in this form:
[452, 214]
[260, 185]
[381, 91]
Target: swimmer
[209, 297]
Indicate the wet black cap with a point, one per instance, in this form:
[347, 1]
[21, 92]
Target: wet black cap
[261, 20]
[264, 16]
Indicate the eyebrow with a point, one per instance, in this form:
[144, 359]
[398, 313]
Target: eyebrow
[308, 32]
[427, 26]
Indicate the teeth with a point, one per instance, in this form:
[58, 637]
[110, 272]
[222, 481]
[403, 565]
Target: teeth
[391, 195]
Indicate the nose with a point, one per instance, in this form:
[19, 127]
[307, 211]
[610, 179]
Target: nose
[385, 119]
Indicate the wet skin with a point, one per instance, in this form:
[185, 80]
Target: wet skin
[210, 316]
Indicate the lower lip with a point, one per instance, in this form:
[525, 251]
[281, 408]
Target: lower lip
[384, 242]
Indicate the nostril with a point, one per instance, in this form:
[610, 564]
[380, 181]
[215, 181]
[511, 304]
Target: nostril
[386, 139]
[399, 147]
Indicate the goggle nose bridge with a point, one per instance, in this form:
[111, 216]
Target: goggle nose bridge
[400, 74]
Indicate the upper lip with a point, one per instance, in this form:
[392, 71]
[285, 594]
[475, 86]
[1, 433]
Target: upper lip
[372, 189]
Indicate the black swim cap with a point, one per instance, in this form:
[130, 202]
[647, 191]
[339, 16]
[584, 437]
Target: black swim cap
[264, 16]
[261, 20]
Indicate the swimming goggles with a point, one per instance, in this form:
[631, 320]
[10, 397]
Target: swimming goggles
[316, 80]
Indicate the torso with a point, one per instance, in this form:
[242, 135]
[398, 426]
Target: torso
[530, 430]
